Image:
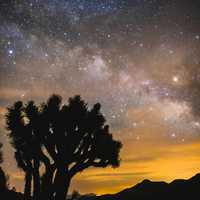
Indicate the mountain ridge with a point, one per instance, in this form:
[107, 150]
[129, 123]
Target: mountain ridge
[181, 189]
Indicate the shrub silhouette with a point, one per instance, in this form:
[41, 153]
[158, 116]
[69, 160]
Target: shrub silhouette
[65, 139]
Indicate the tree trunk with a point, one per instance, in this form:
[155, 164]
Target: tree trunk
[27, 187]
[36, 179]
[62, 182]
[46, 184]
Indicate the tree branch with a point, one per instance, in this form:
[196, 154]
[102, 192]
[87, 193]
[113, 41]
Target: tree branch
[80, 167]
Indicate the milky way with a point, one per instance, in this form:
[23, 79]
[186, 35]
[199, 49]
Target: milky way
[140, 59]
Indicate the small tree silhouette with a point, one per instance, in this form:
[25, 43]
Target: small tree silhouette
[1, 156]
[3, 179]
[66, 139]
[22, 142]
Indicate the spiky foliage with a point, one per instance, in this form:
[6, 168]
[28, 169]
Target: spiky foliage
[65, 138]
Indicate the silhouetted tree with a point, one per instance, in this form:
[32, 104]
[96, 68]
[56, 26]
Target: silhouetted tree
[1, 157]
[66, 139]
[3, 179]
[21, 140]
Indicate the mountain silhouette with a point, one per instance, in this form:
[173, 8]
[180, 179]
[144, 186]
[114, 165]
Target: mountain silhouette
[149, 190]
[146, 190]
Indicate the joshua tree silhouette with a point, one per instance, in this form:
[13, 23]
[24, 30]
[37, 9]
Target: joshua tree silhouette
[65, 139]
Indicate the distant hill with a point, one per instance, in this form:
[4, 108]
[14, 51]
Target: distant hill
[148, 190]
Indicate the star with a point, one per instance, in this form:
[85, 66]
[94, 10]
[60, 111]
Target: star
[134, 124]
[10, 52]
[173, 135]
[141, 45]
[176, 79]
[23, 95]
[108, 35]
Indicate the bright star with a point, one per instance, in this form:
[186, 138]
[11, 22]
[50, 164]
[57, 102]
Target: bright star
[173, 135]
[175, 79]
[10, 51]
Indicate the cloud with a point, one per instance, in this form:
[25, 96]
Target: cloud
[138, 159]
[114, 175]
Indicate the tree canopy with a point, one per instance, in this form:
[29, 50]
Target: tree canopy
[64, 138]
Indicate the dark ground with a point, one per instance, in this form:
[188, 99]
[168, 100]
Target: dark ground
[146, 190]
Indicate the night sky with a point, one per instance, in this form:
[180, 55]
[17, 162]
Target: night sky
[140, 59]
